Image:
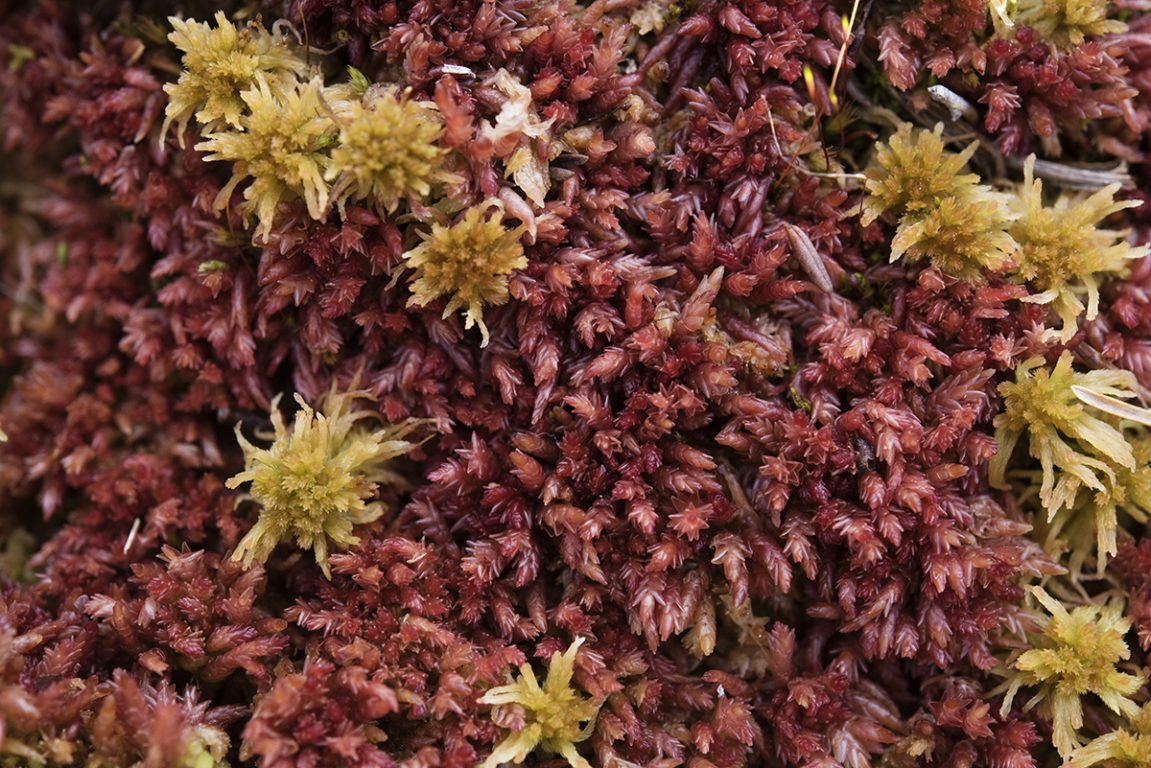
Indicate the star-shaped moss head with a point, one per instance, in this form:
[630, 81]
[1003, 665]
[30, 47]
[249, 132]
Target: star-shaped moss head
[219, 64]
[468, 261]
[554, 714]
[316, 481]
[1075, 655]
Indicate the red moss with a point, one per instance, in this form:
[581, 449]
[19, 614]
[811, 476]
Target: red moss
[761, 503]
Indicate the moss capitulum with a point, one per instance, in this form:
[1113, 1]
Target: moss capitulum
[219, 64]
[317, 481]
[1075, 654]
[556, 715]
[468, 261]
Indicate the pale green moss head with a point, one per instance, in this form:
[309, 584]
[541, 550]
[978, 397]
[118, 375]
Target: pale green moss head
[207, 747]
[220, 64]
[469, 262]
[282, 147]
[1062, 252]
[1128, 746]
[1075, 655]
[961, 236]
[318, 480]
[1067, 23]
[912, 172]
[1089, 525]
[388, 151]
[945, 217]
[557, 716]
[1067, 436]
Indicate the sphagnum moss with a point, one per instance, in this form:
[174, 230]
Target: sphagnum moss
[1063, 253]
[944, 216]
[1090, 524]
[962, 236]
[556, 715]
[387, 152]
[1128, 746]
[582, 486]
[317, 481]
[912, 172]
[469, 262]
[219, 65]
[1075, 655]
[1063, 434]
[283, 149]
[1067, 23]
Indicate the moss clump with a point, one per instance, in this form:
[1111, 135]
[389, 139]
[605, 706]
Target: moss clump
[1067, 23]
[944, 216]
[1075, 655]
[468, 261]
[315, 482]
[292, 137]
[282, 149]
[1091, 523]
[1062, 432]
[1125, 747]
[1062, 252]
[961, 236]
[219, 65]
[554, 714]
[387, 152]
[912, 172]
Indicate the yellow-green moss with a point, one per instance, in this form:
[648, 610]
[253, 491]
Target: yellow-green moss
[1066, 23]
[388, 152]
[219, 65]
[1062, 432]
[961, 236]
[1090, 525]
[316, 482]
[1125, 747]
[282, 148]
[944, 216]
[469, 262]
[1062, 252]
[912, 172]
[1075, 655]
[556, 715]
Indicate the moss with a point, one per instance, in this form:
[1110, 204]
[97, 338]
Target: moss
[1063, 253]
[207, 748]
[961, 236]
[1001, 12]
[1066, 23]
[1091, 524]
[282, 149]
[554, 714]
[388, 152]
[1062, 432]
[912, 172]
[944, 216]
[1075, 654]
[219, 65]
[18, 55]
[1125, 747]
[468, 261]
[316, 482]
